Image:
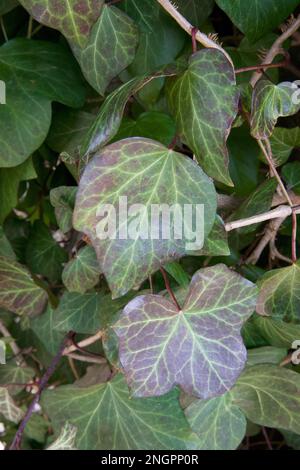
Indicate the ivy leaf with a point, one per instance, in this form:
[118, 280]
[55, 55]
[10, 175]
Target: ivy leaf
[73, 19]
[111, 112]
[291, 175]
[155, 423]
[87, 313]
[152, 125]
[63, 200]
[279, 294]
[166, 177]
[6, 249]
[24, 66]
[199, 347]
[269, 102]
[277, 332]
[204, 102]
[269, 396]
[18, 291]
[283, 141]
[219, 423]
[43, 327]
[82, 273]
[8, 408]
[43, 254]
[110, 48]
[195, 11]
[216, 244]
[66, 439]
[266, 355]
[257, 17]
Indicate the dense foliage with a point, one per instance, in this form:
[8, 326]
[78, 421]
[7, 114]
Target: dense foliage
[126, 342]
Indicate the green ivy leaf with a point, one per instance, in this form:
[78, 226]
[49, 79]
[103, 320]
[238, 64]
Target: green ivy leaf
[13, 374]
[279, 294]
[6, 249]
[291, 175]
[283, 141]
[269, 396]
[43, 254]
[18, 291]
[266, 355]
[257, 17]
[277, 332]
[101, 413]
[8, 408]
[24, 67]
[73, 19]
[110, 48]
[43, 327]
[269, 102]
[204, 101]
[216, 244]
[82, 272]
[152, 125]
[166, 177]
[87, 313]
[195, 11]
[219, 423]
[63, 200]
[198, 347]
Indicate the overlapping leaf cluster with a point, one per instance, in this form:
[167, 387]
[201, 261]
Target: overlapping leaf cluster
[181, 347]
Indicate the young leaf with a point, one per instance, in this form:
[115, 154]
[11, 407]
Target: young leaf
[166, 177]
[279, 294]
[73, 19]
[110, 49]
[199, 347]
[109, 419]
[219, 423]
[204, 101]
[82, 273]
[18, 291]
[269, 396]
[269, 102]
[257, 17]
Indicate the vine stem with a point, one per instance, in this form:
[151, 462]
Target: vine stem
[42, 385]
[188, 28]
[169, 289]
[294, 237]
[277, 47]
[284, 63]
[82, 344]
[279, 212]
[268, 154]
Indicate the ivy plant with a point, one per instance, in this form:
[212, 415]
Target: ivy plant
[127, 329]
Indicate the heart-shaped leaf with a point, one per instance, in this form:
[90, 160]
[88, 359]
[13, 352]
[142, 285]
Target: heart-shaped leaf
[8, 408]
[74, 19]
[110, 48]
[279, 294]
[269, 102]
[63, 200]
[199, 347]
[18, 291]
[204, 101]
[166, 177]
[101, 413]
[291, 175]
